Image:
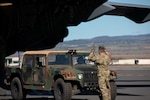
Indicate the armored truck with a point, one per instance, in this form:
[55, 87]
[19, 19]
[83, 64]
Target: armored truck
[64, 73]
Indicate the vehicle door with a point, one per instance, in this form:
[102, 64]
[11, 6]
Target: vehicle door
[27, 69]
[39, 69]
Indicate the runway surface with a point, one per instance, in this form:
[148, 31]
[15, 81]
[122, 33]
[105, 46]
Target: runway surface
[133, 83]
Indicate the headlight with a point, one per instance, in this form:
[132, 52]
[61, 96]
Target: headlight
[80, 76]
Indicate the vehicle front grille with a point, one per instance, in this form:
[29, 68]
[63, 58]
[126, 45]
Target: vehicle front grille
[90, 76]
[90, 79]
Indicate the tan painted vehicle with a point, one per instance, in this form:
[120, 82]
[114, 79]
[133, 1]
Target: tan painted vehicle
[64, 73]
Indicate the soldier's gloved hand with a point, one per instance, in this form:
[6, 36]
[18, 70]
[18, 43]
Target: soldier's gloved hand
[93, 49]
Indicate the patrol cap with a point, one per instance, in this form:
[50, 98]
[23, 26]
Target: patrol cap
[101, 48]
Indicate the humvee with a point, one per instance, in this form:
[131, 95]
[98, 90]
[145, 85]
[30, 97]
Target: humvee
[64, 73]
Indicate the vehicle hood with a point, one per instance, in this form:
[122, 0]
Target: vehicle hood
[86, 67]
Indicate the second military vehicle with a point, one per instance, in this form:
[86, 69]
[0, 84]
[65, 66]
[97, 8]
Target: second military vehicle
[64, 73]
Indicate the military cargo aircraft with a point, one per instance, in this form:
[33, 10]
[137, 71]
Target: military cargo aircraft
[41, 24]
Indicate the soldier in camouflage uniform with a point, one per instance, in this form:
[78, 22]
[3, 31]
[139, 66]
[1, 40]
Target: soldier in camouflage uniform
[102, 60]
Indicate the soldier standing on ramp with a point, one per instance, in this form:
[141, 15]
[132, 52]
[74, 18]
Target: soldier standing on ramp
[102, 60]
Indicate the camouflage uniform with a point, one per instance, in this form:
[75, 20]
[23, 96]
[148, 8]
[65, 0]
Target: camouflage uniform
[102, 60]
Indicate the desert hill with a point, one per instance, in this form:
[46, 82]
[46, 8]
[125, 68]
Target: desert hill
[130, 46]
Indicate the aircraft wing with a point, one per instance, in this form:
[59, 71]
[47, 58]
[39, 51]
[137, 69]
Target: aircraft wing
[136, 13]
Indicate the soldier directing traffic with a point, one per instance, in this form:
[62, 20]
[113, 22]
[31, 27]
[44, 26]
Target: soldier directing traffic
[102, 61]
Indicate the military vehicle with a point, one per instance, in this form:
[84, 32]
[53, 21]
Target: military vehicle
[64, 73]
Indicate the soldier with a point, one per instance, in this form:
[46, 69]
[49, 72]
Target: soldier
[102, 61]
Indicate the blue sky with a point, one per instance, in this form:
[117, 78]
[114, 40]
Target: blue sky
[110, 25]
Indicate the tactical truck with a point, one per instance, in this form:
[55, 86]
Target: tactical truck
[64, 73]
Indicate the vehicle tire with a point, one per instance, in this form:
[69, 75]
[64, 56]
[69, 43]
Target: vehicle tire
[113, 90]
[62, 90]
[17, 90]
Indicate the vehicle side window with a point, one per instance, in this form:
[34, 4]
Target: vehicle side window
[28, 61]
[51, 59]
[60, 59]
[40, 60]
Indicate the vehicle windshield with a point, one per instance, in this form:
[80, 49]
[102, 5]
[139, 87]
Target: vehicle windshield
[58, 59]
[81, 58]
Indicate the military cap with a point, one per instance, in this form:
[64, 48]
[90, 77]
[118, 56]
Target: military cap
[102, 48]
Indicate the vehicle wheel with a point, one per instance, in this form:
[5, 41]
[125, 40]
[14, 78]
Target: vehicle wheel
[17, 90]
[113, 90]
[62, 90]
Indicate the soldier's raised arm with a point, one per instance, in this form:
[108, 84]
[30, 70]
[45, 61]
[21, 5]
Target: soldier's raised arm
[100, 58]
[92, 56]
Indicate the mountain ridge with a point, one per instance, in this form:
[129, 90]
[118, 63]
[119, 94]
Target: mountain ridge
[132, 46]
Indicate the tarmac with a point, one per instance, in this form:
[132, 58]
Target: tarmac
[4, 92]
